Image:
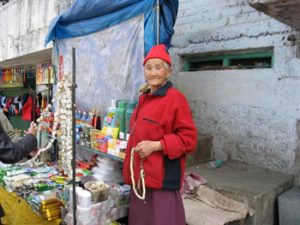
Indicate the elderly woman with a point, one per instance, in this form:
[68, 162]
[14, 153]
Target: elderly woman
[162, 133]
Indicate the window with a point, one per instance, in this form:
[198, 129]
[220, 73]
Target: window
[249, 60]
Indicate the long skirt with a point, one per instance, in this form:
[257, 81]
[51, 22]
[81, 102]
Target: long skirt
[160, 207]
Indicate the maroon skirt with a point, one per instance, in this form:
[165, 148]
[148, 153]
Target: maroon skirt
[160, 207]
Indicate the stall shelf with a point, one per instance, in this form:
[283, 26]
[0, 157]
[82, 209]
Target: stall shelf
[116, 158]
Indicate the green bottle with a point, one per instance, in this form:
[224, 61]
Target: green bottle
[129, 109]
[120, 115]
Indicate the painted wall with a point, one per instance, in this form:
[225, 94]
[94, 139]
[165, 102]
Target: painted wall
[24, 25]
[251, 114]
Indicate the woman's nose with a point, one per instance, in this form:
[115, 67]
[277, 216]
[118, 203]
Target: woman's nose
[153, 72]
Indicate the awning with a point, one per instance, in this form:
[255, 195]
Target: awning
[32, 58]
[89, 16]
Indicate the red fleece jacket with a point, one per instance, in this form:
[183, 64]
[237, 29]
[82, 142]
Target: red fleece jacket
[164, 116]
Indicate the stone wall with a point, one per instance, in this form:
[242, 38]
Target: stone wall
[251, 114]
[24, 25]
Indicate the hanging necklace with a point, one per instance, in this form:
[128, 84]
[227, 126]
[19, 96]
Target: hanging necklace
[141, 180]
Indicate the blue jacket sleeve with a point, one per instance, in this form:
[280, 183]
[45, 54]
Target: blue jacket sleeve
[11, 152]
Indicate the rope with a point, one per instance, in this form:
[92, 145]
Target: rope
[142, 177]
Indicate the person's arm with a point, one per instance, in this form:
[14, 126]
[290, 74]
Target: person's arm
[8, 128]
[184, 138]
[11, 152]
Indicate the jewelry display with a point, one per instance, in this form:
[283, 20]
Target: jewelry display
[62, 126]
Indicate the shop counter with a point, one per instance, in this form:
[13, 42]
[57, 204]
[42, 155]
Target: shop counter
[18, 212]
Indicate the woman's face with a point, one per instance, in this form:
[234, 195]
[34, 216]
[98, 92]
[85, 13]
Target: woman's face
[156, 73]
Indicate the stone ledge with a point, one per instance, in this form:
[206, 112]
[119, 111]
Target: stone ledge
[254, 186]
[289, 205]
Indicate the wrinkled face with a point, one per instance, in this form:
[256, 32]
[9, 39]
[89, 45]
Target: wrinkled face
[156, 73]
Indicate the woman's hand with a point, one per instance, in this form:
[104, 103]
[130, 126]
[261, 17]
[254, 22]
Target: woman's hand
[145, 148]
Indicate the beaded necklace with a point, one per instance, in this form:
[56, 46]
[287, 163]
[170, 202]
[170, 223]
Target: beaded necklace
[141, 180]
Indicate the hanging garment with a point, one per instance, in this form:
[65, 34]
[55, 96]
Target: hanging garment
[27, 109]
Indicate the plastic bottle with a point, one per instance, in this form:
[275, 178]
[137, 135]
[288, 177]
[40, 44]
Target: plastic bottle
[91, 119]
[129, 109]
[88, 118]
[78, 116]
[84, 117]
[109, 120]
[97, 122]
[122, 135]
[120, 115]
[215, 163]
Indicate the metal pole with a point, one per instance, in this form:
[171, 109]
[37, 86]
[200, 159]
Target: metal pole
[74, 134]
[157, 21]
[48, 72]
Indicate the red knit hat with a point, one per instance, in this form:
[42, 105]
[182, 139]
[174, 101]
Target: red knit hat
[158, 52]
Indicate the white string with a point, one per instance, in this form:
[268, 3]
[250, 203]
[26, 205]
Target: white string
[32, 161]
[142, 177]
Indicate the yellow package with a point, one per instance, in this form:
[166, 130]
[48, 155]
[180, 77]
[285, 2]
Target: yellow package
[113, 131]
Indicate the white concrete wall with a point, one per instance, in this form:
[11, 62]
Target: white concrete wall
[24, 25]
[251, 114]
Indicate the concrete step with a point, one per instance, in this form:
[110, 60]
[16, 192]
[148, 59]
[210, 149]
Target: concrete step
[259, 188]
[203, 152]
[289, 205]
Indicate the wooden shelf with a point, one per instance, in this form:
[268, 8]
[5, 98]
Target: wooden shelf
[113, 157]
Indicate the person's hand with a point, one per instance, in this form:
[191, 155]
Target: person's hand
[33, 153]
[32, 129]
[145, 148]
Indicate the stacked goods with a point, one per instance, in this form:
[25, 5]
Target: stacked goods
[95, 135]
[84, 206]
[50, 208]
